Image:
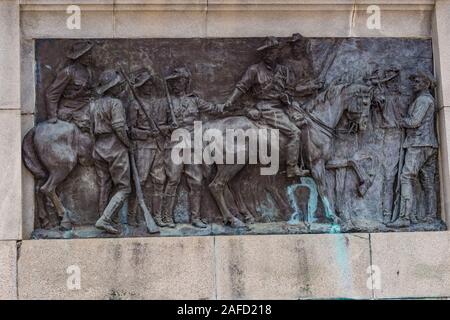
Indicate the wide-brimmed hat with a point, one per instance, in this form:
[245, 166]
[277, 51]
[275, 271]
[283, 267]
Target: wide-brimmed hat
[108, 79]
[296, 37]
[179, 73]
[139, 77]
[79, 48]
[424, 74]
[269, 43]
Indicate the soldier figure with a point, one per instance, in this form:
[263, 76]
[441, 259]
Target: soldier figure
[268, 82]
[302, 76]
[111, 148]
[186, 109]
[421, 150]
[392, 104]
[69, 95]
[149, 153]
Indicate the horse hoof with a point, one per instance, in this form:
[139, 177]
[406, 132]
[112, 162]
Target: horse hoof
[336, 220]
[248, 218]
[236, 223]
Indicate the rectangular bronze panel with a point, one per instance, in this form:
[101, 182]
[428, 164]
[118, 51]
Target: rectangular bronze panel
[360, 149]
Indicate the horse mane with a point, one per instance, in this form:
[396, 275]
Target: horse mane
[330, 93]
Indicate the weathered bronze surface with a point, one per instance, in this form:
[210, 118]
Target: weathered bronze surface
[356, 122]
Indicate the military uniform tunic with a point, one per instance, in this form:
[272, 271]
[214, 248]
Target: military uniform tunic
[69, 95]
[421, 149]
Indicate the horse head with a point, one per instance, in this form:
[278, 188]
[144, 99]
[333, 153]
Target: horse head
[358, 103]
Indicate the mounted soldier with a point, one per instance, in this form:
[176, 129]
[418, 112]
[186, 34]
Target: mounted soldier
[303, 79]
[268, 82]
[69, 94]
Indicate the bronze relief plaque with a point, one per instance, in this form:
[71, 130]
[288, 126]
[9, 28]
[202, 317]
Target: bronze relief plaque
[171, 137]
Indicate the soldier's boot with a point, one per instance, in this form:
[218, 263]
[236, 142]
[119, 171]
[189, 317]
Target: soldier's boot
[132, 219]
[293, 155]
[114, 204]
[430, 201]
[168, 210]
[133, 212]
[404, 220]
[195, 204]
[157, 201]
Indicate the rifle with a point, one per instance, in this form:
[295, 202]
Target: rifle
[169, 101]
[149, 221]
[152, 122]
[396, 209]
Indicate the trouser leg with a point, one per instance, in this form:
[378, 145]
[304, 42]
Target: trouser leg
[277, 119]
[414, 159]
[194, 177]
[158, 178]
[119, 169]
[104, 182]
[173, 172]
[427, 180]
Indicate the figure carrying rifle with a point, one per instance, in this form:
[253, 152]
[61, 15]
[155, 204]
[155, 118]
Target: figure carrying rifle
[186, 108]
[149, 153]
[420, 152]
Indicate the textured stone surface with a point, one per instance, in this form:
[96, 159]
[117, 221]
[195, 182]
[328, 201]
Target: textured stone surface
[10, 175]
[292, 267]
[314, 21]
[9, 54]
[8, 262]
[160, 24]
[412, 264]
[145, 268]
[441, 41]
[27, 76]
[53, 24]
[28, 204]
[444, 167]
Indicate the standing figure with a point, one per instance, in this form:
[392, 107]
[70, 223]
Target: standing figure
[149, 153]
[421, 150]
[268, 82]
[69, 95]
[112, 163]
[391, 103]
[186, 109]
[303, 78]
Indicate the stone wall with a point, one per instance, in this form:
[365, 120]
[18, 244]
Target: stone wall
[303, 266]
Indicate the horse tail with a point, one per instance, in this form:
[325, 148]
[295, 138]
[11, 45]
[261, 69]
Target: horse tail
[30, 157]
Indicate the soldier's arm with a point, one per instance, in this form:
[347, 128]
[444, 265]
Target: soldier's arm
[242, 87]
[204, 106]
[135, 132]
[415, 120]
[54, 92]
[118, 122]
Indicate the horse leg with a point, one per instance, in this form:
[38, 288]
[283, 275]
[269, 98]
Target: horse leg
[224, 174]
[248, 217]
[49, 189]
[43, 214]
[318, 173]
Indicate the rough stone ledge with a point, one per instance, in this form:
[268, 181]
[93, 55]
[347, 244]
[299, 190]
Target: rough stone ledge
[142, 5]
[411, 265]
[8, 270]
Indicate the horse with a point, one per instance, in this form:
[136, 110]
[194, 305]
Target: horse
[51, 151]
[325, 112]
